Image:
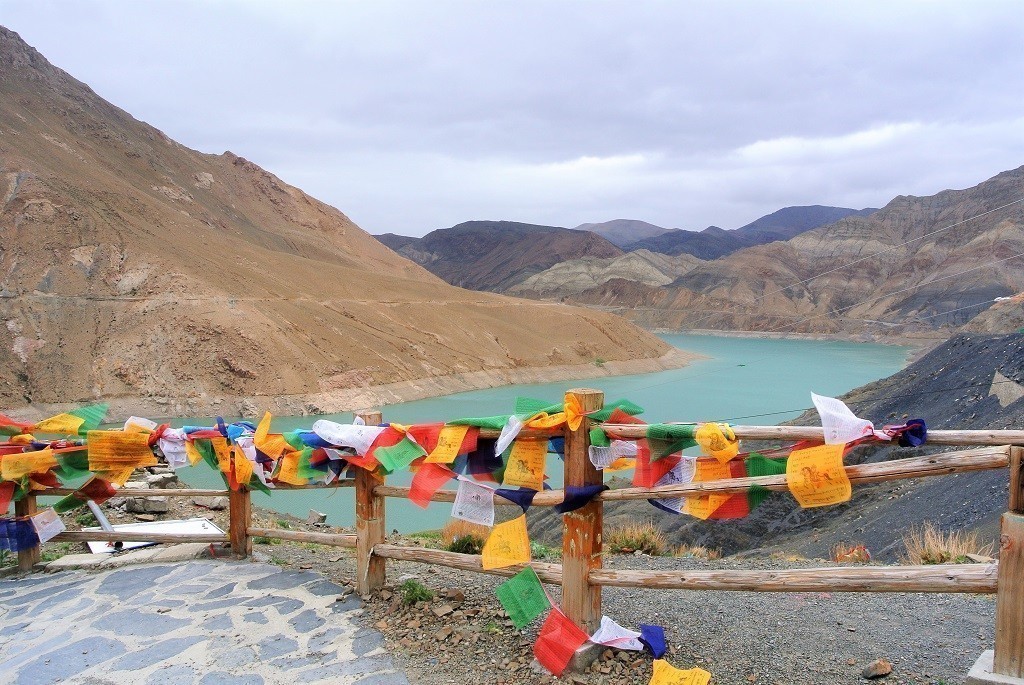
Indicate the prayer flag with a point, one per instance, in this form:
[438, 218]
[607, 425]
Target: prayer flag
[681, 474]
[428, 480]
[425, 435]
[704, 506]
[558, 640]
[668, 438]
[653, 638]
[759, 465]
[79, 421]
[17, 466]
[117, 451]
[288, 469]
[839, 423]
[47, 524]
[718, 441]
[400, 455]
[507, 544]
[573, 412]
[508, 433]
[474, 503]
[358, 437]
[738, 505]
[648, 473]
[9, 426]
[523, 497]
[577, 497]
[816, 476]
[449, 444]
[612, 634]
[525, 466]
[666, 674]
[97, 489]
[523, 597]
[272, 445]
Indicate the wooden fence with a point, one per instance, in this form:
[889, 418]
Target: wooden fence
[581, 575]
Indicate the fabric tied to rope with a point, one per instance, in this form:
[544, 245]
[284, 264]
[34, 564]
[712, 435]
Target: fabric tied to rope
[523, 496]
[578, 496]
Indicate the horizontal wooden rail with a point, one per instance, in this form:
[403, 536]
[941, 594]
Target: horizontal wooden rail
[136, 536]
[935, 437]
[332, 539]
[155, 492]
[548, 573]
[978, 578]
[860, 474]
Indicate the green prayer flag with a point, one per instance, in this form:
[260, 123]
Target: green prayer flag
[598, 438]
[523, 597]
[759, 465]
[294, 438]
[72, 465]
[491, 422]
[91, 415]
[398, 456]
[669, 438]
[304, 469]
[625, 405]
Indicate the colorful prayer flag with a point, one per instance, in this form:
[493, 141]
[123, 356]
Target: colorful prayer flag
[523, 597]
[666, 674]
[704, 506]
[17, 466]
[508, 544]
[474, 503]
[558, 640]
[717, 440]
[526, 462]
[400, 455]
[449, 445]
[816, 476]
[79, 421]
[428, 480]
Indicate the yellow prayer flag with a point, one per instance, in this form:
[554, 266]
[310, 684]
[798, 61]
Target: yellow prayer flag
[816, 476]
[507, 544]
[573, 412]
[66, 424]
[448, 443]
[704, 506]
[289, 470]
[117, 450]
[222, 449]
[119, 476]
[243, 467]
[717, 440]
[621, 464]
[526, 463]
[193, 453]
[667, 674]
[16, 466]
[542, 421]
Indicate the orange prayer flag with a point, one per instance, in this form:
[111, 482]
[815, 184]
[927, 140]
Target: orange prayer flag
[717, 440]
[16, 466]
[816, 476]
[573, 412]
[117, 451]
[428, 479]
[526, 462]
[222, 449]
[666, 674]
[243, 467]
[508, 544]
[704, 506]
[426, 435]
[449, 444]
[288, 471]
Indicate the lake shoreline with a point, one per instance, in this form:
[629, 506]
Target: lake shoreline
[360, 398]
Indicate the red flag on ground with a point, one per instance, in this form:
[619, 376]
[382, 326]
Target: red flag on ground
[428, 480]
[558, 640]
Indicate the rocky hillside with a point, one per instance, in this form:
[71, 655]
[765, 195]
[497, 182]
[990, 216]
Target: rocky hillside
[174, 282]
[496, 255]
[714, 242]
[623, 232]
[896, 271]
[972, 381]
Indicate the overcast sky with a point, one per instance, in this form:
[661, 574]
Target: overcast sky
[411, 116]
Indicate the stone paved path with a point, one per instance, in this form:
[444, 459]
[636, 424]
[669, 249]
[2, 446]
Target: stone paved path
[201, 622]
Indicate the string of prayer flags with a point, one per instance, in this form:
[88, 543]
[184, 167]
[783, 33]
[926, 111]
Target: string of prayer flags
[80, 421]
[526, 463]
[665, 673]
[429, 479]
[665, 439]
[508, 544]
[578, 496]
[816, 476]
[759, 465]
[17, 466]
[703, 506]
[523, 597]
[717, 440]
[653, 638]
[840, 424]
[9, 426]
[611, 634]
[17, 534]
[451, 442]
[523, 497]
[648, 473]
[558, 640]
[474, 503]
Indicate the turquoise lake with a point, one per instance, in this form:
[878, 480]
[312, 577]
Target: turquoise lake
[742, 377]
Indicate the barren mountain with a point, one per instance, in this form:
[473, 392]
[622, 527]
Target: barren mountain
[172, 281]
[918, 264]
[623, 232]
[496, 255]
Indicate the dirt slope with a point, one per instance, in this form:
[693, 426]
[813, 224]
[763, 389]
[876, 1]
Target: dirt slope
[133, 267]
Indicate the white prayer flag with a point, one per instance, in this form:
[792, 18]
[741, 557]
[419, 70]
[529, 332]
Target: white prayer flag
[681, 474]
[508, 433]
[613, 635]
[347, 435]
[841, 425]
[474, 503]
[47, 524]
[172, 444]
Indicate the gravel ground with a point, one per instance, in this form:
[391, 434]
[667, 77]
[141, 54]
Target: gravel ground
[740, 637]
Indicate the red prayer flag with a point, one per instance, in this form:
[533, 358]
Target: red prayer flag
[428, 480]
[737, 506]
[558, 640]
[6, 493]
[426, 435]
[647, 474]
[619, 416]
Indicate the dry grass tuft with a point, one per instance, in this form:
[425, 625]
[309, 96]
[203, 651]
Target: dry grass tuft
[463, 536]
[632, 537]
[698, 552]
[929, 545]
[849, 552]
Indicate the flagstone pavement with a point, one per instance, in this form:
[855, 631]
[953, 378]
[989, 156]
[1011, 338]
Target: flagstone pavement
[200, 622]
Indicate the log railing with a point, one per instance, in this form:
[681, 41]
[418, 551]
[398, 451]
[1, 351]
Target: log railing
[581, 575]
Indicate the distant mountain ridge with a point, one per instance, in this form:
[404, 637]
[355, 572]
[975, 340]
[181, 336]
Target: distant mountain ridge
[496, 255]
[623, 232]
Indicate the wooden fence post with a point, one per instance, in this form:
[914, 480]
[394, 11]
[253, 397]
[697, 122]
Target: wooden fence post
[582, 529]
[27, 558]
[239, 522]
[370, 569]
[1008, 659]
